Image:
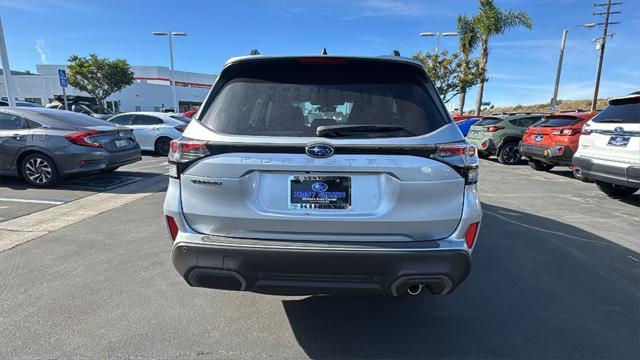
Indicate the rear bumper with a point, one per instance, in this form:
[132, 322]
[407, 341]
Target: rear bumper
[485, 145]
[310, 267]
[559, 154]
[619, 174]
[287, 268]
[80, 159]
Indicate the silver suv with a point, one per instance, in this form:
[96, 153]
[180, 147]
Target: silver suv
[323, 175]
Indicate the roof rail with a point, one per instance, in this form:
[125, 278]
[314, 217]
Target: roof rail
[254, 52]
[324, 51]
[395, 53]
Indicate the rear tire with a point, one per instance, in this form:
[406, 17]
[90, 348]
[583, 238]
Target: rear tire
[162, 145]
[483, 155]
[39, 170]
[509, 154]
[615, 190]
[540, 166]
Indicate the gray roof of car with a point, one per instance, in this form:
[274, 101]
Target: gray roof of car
[388, 58]
[47, 115]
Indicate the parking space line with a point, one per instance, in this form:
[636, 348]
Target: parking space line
[22, 229]
[32, 201]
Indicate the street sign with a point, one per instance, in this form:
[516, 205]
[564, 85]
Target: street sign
[62, 76]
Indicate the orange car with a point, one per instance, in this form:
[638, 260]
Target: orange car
[553, 140]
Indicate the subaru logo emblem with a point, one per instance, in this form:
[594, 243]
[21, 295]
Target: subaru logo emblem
[619, 129]
[319, 187]
[319, 150]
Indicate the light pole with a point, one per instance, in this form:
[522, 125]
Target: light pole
[554, 99]
[438, 35]
[4, 58]
[171, 34]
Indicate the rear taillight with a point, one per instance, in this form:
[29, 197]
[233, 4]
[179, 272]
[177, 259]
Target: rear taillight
[494, 128]
[183, 151]
[470, 237]
[566, 132]
[172, 227]
[462, 157]
[84, 138]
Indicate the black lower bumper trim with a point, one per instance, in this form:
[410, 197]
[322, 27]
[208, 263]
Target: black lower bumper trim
[283, 271]
[547, 154]
[619, 175]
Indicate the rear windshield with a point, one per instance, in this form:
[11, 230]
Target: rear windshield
[558, 121]
[488, 121]
[296, 104]
[624, 111]
[69, 120]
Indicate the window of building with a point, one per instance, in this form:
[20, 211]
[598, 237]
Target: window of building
[34, 100]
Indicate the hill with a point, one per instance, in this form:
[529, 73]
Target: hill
[563, 105]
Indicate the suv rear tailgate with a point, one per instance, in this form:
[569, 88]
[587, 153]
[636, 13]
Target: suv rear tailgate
[393, 198]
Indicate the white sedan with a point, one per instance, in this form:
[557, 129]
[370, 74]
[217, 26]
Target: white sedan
[153, 130]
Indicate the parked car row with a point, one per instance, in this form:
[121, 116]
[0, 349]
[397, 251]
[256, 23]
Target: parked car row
[600, 147]
[43, 145]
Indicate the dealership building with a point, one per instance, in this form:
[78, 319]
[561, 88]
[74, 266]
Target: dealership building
[151, 90]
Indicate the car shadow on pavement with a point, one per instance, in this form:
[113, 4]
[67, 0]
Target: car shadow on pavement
[539, 288]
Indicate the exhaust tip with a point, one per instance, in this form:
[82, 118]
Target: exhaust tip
[415, 289]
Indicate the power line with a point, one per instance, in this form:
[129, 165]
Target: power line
[602, 42]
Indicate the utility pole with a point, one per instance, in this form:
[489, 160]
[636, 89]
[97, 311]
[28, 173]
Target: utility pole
[602, 42]
[6, 69]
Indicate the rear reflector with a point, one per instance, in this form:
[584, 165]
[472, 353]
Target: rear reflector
[470, 238]
[172, 227]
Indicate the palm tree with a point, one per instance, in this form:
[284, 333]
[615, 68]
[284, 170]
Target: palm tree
[468, 38]
[491, 21]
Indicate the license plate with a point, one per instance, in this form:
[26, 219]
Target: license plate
[319, 192]
[122, 143]
[538, 138]
[618, 141]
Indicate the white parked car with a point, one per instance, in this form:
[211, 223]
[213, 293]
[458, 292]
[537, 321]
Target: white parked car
[609, 150]
[153, 130]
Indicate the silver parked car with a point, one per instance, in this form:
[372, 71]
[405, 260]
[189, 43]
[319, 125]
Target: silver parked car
[323, 175]
[44, 145]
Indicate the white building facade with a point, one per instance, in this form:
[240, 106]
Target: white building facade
[150, 92]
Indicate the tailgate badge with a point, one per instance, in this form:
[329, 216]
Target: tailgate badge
[319, 150]
[619, 129]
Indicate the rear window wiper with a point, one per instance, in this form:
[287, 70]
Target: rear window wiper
[346, 130]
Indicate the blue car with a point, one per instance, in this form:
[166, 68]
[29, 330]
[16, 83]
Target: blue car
[465, 125]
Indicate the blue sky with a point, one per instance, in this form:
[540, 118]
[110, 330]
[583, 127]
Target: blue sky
[521, 67]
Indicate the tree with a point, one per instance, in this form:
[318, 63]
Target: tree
[468, 39]
[492, 21]
[447, 73]
[99, 77]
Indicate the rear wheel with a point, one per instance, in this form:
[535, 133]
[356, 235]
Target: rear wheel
[615, 190]
[483, 155]
[540, 166]
[509, 154]
[162, 146]
[39, 170]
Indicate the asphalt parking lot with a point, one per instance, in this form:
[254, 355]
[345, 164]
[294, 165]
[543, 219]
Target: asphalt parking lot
[555, 275]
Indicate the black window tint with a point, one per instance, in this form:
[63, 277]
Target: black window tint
[488, 121]
[526, 122]
[122, 119]
[33, 124]
[295, 98]
[11, 122]
[627, 111]
[146, 120]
